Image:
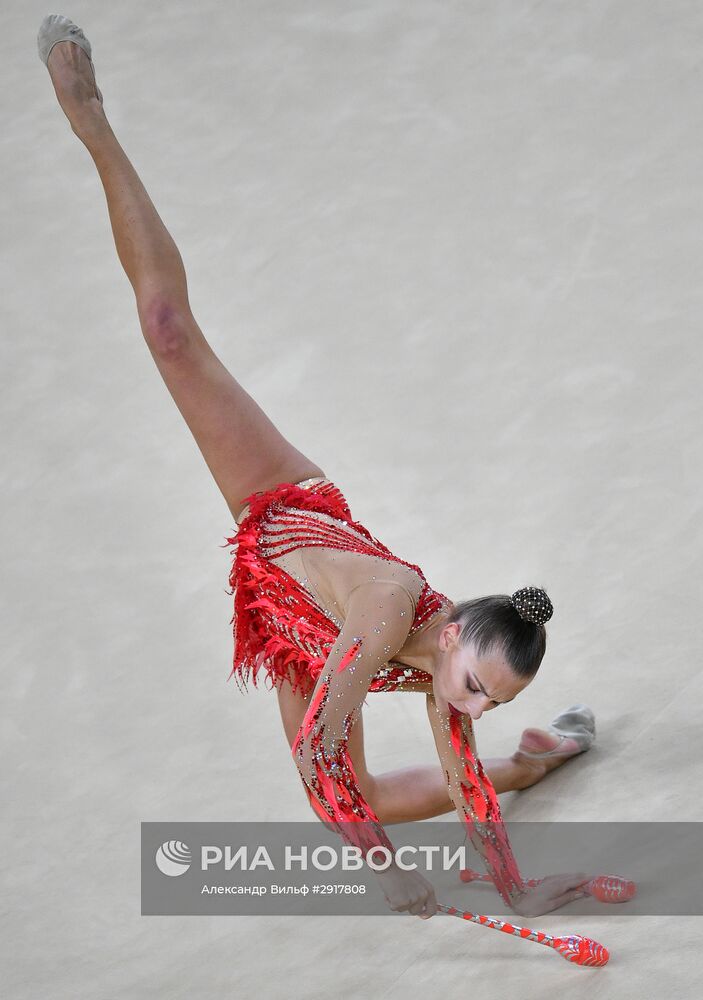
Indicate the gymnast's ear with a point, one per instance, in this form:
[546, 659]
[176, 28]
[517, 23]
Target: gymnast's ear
[449, 635]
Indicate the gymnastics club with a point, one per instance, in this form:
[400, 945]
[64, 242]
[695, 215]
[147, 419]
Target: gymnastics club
[573, 947]
[606, 888]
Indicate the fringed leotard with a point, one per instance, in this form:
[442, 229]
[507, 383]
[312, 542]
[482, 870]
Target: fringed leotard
[282, 627]
[279, 625]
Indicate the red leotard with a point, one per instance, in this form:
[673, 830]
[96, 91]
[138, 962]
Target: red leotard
[280, 627]
[276, 621]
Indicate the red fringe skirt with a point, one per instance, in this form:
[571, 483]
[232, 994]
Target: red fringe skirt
[276, 625]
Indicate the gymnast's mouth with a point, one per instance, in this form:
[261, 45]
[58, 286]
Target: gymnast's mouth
[455, 711]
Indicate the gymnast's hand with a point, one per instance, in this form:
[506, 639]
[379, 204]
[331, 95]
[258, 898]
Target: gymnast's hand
[551, 893]
[408, 891]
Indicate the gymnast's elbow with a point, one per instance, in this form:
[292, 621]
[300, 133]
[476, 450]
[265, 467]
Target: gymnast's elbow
[301, 752]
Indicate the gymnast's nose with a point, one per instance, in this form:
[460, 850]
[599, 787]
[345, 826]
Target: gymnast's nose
[478, 706]
[469, 708]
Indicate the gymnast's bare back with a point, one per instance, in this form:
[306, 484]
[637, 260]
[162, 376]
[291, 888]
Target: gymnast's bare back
[330, 575]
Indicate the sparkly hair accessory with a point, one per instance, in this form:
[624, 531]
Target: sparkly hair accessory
[533, 605]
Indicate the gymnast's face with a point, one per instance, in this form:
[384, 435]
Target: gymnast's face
[470, 685]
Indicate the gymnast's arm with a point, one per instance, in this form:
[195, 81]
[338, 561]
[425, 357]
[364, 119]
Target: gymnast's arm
[475, 799]
[378, 620]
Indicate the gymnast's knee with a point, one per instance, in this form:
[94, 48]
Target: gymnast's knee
[371, 791]
[168, 328]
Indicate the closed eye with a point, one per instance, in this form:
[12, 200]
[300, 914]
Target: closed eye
[474, 690]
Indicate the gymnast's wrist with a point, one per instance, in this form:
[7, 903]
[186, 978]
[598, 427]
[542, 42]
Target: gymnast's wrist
[517, 897]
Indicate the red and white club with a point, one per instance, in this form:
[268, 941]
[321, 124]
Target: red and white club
[606, 888]
[573, 947]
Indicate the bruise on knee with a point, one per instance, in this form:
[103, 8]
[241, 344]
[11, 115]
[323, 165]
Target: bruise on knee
[167, 328]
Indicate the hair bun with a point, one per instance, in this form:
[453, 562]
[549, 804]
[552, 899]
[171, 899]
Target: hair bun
[533, 605]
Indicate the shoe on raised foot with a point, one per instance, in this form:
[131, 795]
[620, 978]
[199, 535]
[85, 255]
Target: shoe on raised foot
[57, 28]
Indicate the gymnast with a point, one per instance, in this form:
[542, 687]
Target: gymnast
[323, 608]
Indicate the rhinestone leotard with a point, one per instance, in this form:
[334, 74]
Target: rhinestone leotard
[282, 627]
[279, 624]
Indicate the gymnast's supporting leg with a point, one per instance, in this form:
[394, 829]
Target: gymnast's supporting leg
[241, 446]
[415, 793]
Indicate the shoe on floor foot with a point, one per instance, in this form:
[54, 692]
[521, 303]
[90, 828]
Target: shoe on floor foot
[577, 723]
[57, 28]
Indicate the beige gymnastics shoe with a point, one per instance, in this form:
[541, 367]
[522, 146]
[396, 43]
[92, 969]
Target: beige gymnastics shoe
[57, 28]
[575, 727]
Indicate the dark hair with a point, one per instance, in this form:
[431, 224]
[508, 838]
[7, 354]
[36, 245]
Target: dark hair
[494, 623]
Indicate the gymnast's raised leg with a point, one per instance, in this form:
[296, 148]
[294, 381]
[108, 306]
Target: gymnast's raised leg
[242, 448]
